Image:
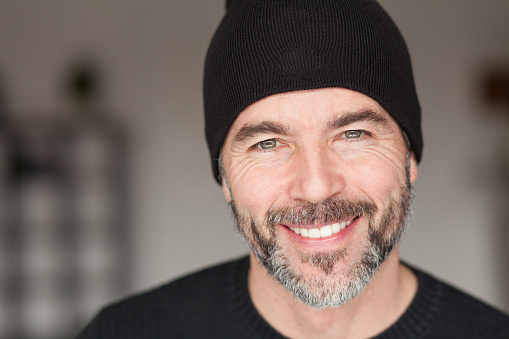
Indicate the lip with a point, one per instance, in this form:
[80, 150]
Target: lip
[333, 242]
[317, 225]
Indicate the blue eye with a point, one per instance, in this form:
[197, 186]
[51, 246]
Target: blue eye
[267, 144]
[354, 134]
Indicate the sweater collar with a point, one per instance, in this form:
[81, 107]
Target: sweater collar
[421, 313]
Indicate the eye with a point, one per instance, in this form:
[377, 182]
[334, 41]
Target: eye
[354, 134]
[267, 144]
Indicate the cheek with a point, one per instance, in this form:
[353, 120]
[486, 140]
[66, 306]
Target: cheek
[377, 179]
[257, 189]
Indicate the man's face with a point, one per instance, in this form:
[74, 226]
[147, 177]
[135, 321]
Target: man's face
[319, 184]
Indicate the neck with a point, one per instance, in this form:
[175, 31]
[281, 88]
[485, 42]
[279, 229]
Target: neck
[380, 304]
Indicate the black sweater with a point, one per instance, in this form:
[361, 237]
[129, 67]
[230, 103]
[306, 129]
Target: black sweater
[215, 303]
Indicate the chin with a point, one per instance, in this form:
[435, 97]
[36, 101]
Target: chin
[323, 280]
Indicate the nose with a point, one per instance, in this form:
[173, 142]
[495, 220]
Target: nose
[317, 176]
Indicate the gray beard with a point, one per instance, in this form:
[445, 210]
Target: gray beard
[317, 292]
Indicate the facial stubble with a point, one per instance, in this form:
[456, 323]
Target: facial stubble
[329, 289]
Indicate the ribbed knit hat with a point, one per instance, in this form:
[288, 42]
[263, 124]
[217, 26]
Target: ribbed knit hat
[266, 47]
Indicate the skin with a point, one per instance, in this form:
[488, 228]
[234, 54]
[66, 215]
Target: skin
[295, 147]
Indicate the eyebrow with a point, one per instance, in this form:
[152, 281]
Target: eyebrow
[362, 115]
[249, 131]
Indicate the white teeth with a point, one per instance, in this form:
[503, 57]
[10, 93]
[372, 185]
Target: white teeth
[336, 228]
[314, 233]
[321, 232]
[325, 231]
[296, 229]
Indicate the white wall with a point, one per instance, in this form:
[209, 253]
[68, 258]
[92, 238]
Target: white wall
[152, 53]
[456, 227]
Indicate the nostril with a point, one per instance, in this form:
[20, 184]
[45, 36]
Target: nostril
[316, 175]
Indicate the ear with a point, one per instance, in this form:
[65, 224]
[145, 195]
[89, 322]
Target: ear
[413, 168]
[226, 190]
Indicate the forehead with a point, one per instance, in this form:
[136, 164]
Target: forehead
[310, 109]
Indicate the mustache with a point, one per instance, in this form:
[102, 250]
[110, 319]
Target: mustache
[325, 212]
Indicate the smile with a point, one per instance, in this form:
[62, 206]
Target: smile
[323, 231]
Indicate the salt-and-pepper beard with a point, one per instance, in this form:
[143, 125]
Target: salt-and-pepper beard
[383, 235]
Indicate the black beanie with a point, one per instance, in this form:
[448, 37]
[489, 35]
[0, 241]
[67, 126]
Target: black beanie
[266, 47]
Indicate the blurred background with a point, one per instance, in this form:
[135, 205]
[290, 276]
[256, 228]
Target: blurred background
[105, 182]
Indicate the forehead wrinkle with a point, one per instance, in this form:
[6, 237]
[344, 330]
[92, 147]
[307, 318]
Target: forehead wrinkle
[361, 115]
[251, 130]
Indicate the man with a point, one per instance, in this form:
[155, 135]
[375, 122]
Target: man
[313, 125]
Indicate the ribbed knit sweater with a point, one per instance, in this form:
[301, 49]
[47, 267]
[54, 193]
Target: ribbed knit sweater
[215, 303]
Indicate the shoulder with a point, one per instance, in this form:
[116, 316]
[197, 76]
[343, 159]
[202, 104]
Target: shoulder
[197, 297]
[458, 313]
